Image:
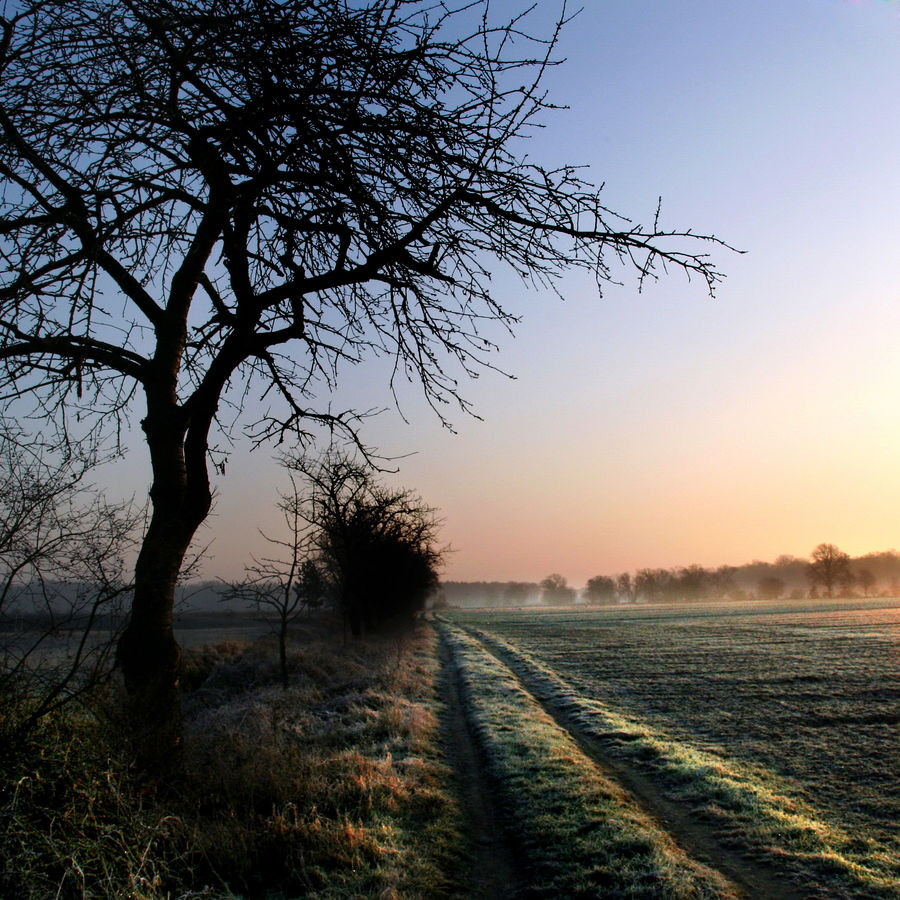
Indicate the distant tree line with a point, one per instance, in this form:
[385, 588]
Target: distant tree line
[489, 594]
[828, 572]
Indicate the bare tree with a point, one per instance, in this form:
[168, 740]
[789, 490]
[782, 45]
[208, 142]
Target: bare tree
[829, 566]
[846, 580]
[626, 587]
[63, 583]
[866, 580]
[600, 589]
[289, 581]
[692, 582]
[652, 584]
[770, 587]
[555, 589]
[212, 202]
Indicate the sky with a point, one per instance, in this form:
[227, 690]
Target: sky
[665, 428]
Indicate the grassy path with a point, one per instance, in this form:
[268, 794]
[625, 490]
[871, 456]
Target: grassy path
[577, 833]
[492, 873]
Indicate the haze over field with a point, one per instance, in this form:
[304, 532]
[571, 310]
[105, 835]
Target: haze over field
[666, 428]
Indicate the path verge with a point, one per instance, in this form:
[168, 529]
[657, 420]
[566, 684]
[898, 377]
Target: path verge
[754, 878]
[580, 834]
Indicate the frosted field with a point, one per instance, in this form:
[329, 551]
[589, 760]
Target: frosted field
[808, 691]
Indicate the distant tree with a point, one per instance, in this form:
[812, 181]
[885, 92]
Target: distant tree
[600, 589]
[555, 590]
[516, 593]
[770, 587]
[884, 565]
[847, 580]
[723, 581]
[692, 582]
[489, 594]
[492, 593]
[786, 561]
[645, 584]
[652, 584]
[866, 580]
[828, 567]
[626, 587]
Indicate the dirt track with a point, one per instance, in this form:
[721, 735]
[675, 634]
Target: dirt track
[751, 877]
[493, 872]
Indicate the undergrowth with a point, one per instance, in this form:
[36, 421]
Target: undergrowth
[330, 789]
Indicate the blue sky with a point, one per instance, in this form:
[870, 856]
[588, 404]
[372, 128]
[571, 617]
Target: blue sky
[666, 428]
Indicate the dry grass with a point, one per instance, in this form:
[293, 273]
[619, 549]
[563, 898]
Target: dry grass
[330, 789]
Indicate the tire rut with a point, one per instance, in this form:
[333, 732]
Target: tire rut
[493, 873]
[753, 878]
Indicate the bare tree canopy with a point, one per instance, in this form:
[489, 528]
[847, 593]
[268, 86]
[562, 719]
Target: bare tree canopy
[829, 566]
[288, 579]
[555, 589]
[206, 201]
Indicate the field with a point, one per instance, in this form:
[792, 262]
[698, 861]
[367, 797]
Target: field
[770, 728]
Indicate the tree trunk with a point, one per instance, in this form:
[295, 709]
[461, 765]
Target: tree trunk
[353, 615]
[282, 650]
[148, 653]
[150, 657]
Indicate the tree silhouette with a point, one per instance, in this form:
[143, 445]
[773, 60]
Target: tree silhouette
[377, 545]
[555, 589]
[212, 202]
[626, 586]
[600, 589]
[866, 580]
[829, 566]
[770, 587]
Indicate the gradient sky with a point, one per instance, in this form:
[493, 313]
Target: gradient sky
[666, 428]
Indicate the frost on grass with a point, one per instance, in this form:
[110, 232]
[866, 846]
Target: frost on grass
[331, 789]
[581, 835]
[745, 800]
